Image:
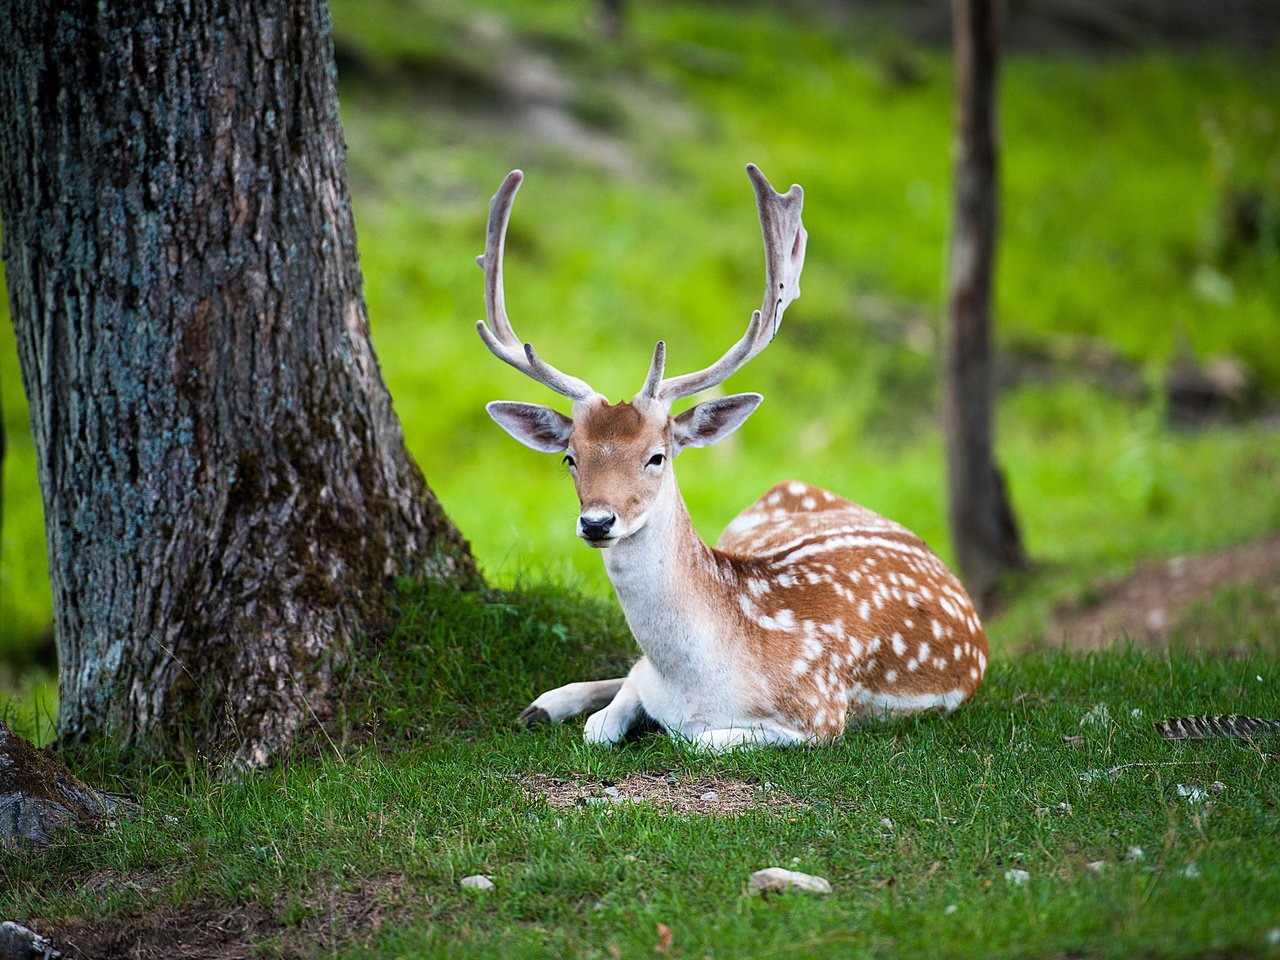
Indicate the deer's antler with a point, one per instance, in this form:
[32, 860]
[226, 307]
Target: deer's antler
[498, 336]
[784, 242]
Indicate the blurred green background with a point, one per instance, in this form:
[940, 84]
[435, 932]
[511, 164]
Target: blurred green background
[1140, 245]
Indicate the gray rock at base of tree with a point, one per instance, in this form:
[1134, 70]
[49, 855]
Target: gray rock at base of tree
[22, 943]
[780, 880]
[40, 797]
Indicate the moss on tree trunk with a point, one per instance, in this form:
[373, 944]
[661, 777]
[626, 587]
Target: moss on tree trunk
[226, 487]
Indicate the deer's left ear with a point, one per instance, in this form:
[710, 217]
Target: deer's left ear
[711, 422]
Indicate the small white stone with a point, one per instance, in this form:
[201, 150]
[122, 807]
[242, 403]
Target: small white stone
[612, 792]
[1191, 871]
[781, 880]
[1097, 866]
[1134, 853]
[709, 796]
[1018, 878]
[1192, 794]
[477, 881]
[951, 908]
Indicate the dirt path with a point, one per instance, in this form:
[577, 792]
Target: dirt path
[1151, 604]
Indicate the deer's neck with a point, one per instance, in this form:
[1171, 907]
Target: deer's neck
[671, 588]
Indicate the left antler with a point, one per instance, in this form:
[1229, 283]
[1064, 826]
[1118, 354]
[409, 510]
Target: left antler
[502, 339]
[784, 243]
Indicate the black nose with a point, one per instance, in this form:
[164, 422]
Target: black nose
[596, 527]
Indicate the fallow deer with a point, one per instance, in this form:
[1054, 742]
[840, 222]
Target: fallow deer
[810, 608]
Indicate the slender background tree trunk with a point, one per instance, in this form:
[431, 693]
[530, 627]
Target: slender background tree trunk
[982, 521]
[226, 488]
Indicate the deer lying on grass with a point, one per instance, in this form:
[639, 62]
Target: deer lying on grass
[810, 608]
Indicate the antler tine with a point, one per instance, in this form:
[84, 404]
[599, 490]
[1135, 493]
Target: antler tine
[784, 245]
[498, 335]
[659, 365]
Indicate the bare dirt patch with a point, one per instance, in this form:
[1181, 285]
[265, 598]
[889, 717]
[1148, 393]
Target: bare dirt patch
[709, 796]
[1150, 604]
[209, 930]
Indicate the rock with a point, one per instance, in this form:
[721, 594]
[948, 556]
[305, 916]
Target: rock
[477, 881]
[20, 943]
[781, 880]
[1097, 866]
[39, 796]
[1019, 878]
[1192, 794]
[709, 796]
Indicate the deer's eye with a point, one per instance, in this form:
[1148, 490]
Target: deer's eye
[656, 460]
[569, 461]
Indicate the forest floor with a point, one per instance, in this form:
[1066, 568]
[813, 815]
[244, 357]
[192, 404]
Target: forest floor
[1160, 599]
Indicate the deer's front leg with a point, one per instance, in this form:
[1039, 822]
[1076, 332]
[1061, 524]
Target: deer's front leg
[610, 725]
[559, 704]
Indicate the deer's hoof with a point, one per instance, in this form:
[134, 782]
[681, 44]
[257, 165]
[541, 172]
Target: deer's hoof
[533, 716]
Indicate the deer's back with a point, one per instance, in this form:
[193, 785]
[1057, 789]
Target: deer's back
[851, 609]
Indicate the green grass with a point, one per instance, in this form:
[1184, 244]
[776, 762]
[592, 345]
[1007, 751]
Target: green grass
[428, 787]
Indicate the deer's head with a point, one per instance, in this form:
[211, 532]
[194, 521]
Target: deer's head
[620, 454]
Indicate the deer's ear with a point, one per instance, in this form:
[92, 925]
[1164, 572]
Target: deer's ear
[538, 427]
[711, 422]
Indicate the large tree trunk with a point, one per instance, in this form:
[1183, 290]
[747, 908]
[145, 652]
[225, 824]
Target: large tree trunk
[982, 521]
[226, 488]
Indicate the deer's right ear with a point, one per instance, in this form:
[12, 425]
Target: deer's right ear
[538, 427]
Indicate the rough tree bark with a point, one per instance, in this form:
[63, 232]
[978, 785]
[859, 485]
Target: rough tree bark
[982, 521]
[225, 485]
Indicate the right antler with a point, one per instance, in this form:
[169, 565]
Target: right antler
[498, 336]
[784, 242]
